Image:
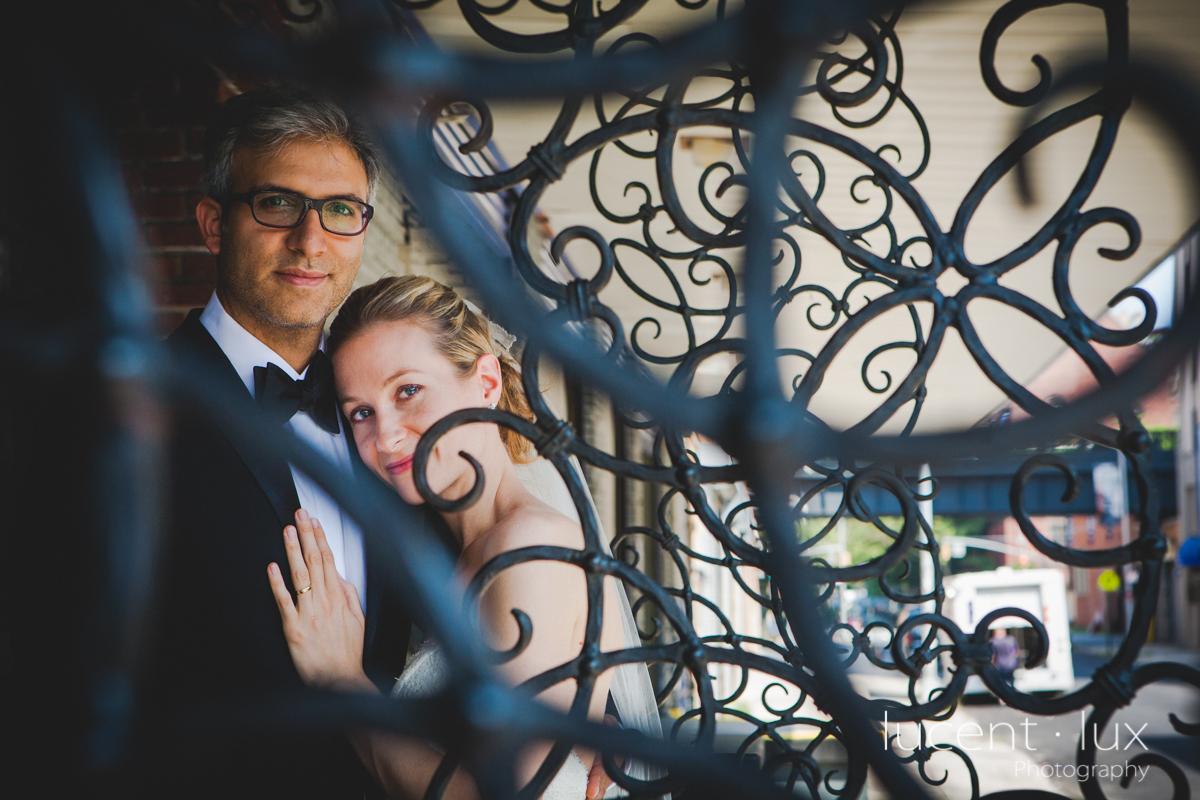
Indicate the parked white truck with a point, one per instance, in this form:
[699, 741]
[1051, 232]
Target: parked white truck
[1043, 593]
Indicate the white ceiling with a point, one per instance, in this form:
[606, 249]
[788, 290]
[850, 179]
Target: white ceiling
[968, 128]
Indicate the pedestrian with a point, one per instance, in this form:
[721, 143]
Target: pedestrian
[1004, 654]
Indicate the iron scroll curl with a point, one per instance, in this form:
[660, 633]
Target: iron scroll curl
[745, 235]
[905, 285]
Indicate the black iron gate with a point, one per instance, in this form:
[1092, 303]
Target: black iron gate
[98, 342]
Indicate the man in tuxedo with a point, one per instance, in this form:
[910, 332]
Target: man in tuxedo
[288, 179]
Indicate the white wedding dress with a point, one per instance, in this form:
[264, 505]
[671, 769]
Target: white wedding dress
[427, 672]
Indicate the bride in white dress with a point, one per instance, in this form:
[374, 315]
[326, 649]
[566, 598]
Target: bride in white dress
[406, 352]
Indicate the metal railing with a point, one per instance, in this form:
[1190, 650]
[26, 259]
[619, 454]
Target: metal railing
[766, 54]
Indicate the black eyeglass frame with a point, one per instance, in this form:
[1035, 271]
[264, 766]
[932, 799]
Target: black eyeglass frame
[310, 204]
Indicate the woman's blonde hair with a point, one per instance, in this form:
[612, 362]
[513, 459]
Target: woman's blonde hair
[459, 334]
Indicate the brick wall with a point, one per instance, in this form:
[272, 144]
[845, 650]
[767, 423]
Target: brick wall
[159, 128]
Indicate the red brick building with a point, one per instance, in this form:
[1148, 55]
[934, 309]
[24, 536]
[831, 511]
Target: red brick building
[1065, 379]
[160, 138]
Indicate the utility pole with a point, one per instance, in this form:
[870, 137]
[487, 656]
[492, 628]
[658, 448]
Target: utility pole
[926, 558]
[925, 563]
[843, 560]
[1128, 572]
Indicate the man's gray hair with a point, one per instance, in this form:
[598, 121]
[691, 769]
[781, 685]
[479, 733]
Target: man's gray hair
[270, 117]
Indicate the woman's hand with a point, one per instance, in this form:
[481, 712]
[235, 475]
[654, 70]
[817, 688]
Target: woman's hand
[324, 626]
[598, 777]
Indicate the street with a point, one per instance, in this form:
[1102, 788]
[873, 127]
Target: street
[1013, 750]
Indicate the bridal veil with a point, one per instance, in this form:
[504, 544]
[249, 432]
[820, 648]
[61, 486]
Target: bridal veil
[631, 689]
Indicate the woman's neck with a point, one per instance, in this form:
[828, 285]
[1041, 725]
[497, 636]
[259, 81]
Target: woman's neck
[502, 492]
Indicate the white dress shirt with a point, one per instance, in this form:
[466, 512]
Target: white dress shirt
[246, 352]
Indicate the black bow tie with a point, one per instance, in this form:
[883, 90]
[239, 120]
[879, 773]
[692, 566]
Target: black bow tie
[281, 397]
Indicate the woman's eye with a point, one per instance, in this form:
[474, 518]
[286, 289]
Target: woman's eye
[360, 414]
[409, 391]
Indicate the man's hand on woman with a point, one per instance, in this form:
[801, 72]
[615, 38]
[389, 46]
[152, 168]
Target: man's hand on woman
[324, 624]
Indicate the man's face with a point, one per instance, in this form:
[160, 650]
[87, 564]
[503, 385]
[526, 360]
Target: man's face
[289, 278]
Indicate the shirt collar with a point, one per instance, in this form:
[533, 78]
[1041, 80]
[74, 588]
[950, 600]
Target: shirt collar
[243, 349]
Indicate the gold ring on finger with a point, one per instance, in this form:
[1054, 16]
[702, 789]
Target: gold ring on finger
[305, 589]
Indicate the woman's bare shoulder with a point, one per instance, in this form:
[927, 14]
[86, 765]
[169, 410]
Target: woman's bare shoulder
[534, 524]
[531, 525]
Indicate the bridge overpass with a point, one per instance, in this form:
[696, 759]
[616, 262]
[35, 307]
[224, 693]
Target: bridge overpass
[981, 486]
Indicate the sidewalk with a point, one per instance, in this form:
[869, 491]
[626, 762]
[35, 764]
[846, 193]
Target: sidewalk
[1098, 645]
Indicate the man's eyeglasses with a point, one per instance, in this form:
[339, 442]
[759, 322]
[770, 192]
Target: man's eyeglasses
[285, 210]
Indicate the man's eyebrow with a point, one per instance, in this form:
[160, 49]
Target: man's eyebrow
[272, 187]
[352, 197]
[275, 187]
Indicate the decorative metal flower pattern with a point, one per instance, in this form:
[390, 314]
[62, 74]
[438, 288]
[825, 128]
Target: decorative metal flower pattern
[664, 236]
[736, 241]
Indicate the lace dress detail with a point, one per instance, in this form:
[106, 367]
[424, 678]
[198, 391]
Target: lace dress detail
[426, 672]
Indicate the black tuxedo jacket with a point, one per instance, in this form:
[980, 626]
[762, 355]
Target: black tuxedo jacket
[219, 641]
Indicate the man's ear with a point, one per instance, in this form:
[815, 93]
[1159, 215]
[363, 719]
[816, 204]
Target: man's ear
[208, 217]
[487, 370]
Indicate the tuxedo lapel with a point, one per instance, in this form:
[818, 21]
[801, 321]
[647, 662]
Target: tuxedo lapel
[273, 475]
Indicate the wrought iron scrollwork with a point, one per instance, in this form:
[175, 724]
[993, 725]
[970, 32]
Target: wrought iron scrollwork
[688, 252]
[736, 240]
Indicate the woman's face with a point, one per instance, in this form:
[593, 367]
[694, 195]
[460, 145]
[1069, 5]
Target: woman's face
[393, 385]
